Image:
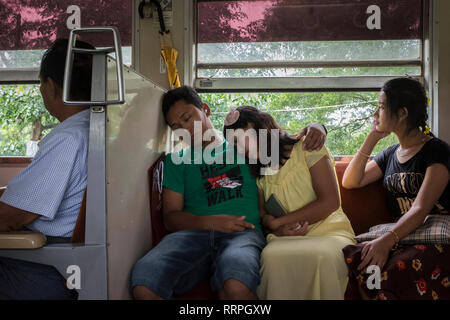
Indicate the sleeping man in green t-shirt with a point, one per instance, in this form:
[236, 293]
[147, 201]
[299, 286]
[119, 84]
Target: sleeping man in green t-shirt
[210, 207]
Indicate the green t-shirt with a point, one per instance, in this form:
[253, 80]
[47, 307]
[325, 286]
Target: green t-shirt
[213, 188]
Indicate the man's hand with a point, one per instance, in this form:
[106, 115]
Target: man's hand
[13, 219]
[227, 223]
[315, 136]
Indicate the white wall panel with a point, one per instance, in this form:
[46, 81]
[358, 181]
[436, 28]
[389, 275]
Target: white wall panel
[136, 136]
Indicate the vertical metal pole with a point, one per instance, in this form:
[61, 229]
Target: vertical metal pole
[190, 57]
[96, 197]
[96, 184]
[96, 223]
[434, 83]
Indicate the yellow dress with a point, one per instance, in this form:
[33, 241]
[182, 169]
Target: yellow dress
[308, 267]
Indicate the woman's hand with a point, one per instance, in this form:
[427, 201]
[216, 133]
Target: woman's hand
[270, 222]
[288, 229]
[292, 229]
[375, 252]
[375, 134]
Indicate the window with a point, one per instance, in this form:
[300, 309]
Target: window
[28, 28]
[305, 44]
[24, 120]
[307, 60]
[347, 115]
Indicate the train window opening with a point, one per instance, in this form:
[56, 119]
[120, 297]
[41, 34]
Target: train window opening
[300, 38]
[347, 116]
[17, 59]
[308, 61]
[24, 120]
[29, 27]
[408, 49]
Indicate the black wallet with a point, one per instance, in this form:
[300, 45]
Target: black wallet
[274, 207]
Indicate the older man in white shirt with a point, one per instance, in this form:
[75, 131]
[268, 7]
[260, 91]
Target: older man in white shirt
[47, 195]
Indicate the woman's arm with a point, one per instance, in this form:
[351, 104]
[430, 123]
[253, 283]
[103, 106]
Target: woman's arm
[290, 229]
[359, 172]
[326, 189]
[436, 179]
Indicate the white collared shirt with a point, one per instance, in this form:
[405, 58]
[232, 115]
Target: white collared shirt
[54, 182]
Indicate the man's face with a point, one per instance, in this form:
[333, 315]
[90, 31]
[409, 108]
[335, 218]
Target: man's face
[47, 94]
[183, 115]
[50, 95]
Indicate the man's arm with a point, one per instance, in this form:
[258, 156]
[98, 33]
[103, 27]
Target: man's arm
[13, 219]
[175, 219]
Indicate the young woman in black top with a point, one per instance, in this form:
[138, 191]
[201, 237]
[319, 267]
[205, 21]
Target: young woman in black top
[415, 172]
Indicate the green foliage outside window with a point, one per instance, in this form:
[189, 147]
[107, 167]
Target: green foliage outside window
[347, 116]
[23, 117]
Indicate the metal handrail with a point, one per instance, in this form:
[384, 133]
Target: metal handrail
[71, 49]
[309, 64]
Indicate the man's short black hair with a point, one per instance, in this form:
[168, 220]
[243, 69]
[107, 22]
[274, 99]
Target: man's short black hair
[186, 93]
[53, 64]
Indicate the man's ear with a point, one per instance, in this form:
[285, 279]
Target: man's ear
[55, 90]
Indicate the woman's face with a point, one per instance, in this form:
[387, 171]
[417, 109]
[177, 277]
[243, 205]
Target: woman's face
[383, 121]
[247, 143]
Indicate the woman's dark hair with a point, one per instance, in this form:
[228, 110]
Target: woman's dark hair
[261, 120]
[53, 64]
[186, 93]
[408, 93]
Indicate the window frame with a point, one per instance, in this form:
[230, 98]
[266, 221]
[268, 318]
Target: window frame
[30, 75]
[19, 76]
[245, 84]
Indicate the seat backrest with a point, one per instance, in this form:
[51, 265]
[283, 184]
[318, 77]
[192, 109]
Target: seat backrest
[80, 226]
[365, 207]
[155, 179]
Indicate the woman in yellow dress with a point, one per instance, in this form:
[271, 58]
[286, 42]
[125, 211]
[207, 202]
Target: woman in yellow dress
[303, 258]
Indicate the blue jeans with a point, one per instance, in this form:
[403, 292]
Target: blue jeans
[23, 280]
[185, 258]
